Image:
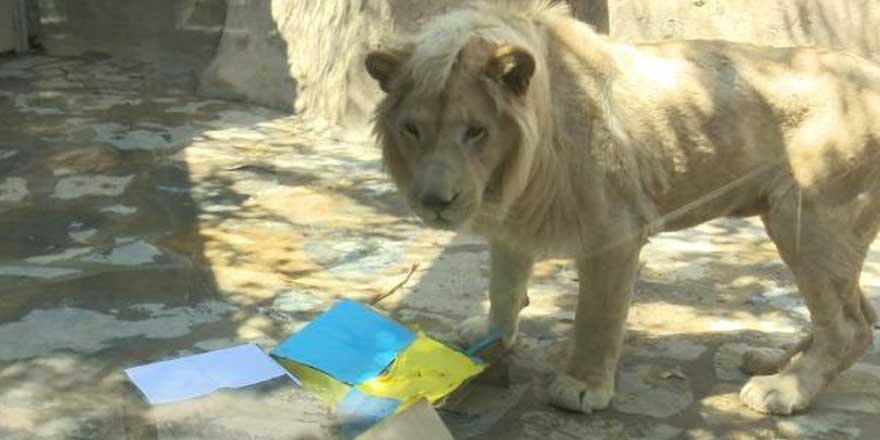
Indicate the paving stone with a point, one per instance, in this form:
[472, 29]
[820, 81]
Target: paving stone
[140, 227]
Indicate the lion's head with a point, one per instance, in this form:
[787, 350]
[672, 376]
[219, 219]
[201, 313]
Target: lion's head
[458, 123]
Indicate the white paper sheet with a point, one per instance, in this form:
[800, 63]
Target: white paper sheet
[201, 374]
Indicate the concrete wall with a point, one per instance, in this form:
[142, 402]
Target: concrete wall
[845, 24]
[15, 25]
[297, 55]
[306, 56]
[594, 12]
[7, 31]
[177, 37]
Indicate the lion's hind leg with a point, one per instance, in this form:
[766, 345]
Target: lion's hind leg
[825, 254]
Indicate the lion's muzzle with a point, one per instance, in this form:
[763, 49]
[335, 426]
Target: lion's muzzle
[434, 191]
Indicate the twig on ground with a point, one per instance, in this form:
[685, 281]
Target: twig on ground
[382, 296]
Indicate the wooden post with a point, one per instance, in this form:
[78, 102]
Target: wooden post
[594, 12]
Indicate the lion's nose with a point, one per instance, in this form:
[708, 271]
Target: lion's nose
[437, 201]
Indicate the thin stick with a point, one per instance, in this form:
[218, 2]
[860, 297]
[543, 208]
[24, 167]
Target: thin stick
[382, 296]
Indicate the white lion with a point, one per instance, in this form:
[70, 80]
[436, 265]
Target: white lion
[547, 138]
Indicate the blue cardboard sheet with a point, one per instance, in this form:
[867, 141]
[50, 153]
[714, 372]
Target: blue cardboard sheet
[201, 374]
[350, 342]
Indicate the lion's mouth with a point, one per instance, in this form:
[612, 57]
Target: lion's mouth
[446, 218]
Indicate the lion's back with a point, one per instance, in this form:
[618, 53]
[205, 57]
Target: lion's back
[803, 116]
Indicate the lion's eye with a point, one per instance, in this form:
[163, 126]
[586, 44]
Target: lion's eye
[411, 130]
[473, 133]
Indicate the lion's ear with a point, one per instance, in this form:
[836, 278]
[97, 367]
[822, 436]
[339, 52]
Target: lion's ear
[512, 66]
[383, 67]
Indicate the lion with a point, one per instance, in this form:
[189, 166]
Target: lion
[523, 125]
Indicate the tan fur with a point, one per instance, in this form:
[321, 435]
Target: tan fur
[590, 146]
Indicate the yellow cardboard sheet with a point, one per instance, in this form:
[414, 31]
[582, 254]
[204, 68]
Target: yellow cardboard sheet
[427, 368]
[324, 386]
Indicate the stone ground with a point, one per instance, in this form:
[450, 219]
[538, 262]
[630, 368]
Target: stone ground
[140, 223]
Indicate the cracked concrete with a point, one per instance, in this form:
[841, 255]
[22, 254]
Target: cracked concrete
[144, 226]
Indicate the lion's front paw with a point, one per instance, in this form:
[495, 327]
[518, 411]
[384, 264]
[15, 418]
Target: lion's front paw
[569, 393]
[477, 328]
[776, 394]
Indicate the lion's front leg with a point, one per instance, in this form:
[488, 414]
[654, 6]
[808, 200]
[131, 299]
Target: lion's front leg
[508, 282]
[606, 284]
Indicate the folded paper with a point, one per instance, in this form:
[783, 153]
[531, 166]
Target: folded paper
[349, 342]
[320, 384]
[201, 374]
[368, 367]
[426, 369]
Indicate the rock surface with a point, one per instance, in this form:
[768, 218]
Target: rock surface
[192, 224]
